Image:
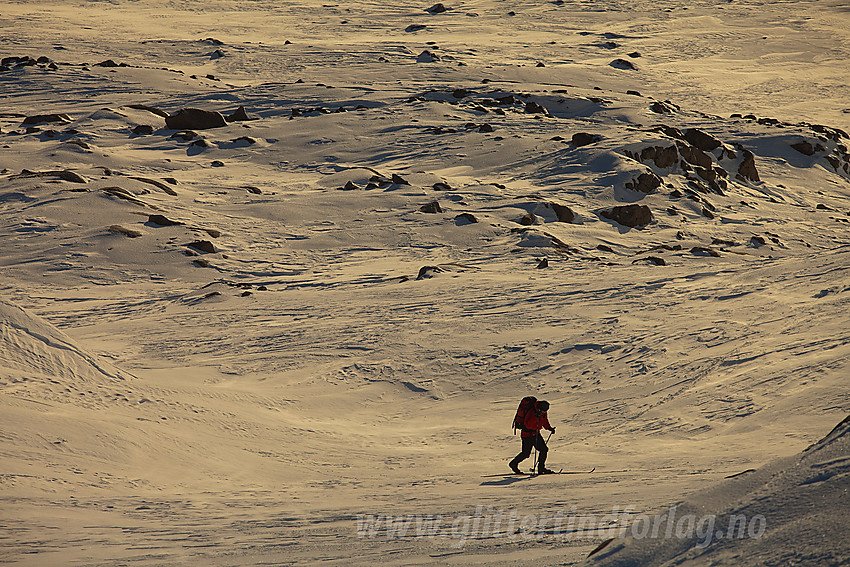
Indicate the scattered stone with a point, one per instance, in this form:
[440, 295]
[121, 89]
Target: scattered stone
[79, 144]
[633, 93]
[118, 229]
[656, 260]
[143, 130]
[707, 213]
[350, 186]
[467, 217]
[437, 8]
[110, 63]
[532, 107]
[217, 163]
[204, 246]
[161, 220]
[427, 57]
[485, 128]
[399, 180]
[540, 64]
[634, 54]
[204, 263]
[544, 263]
[623, 64]
[414, 28]
[660, 108]
[584, 139]
[41, 118]
[186, 135]
[428, 272]
[528, 219]
[200, 143]
[240, 115]
[705, 251]
[432, 207]
[441, 186]
[628, 215]
[563, 212]
[195, 119]
[217, 54]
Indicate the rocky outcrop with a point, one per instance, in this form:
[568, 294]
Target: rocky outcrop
[747, 168]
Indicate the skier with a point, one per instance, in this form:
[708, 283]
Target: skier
[532, 424]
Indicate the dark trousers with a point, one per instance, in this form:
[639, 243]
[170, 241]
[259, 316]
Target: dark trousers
[529, 443]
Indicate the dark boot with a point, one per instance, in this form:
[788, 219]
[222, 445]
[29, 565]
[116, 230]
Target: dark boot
[544, 470]
[515, 466]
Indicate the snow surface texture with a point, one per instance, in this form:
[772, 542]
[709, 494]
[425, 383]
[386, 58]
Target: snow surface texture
[235, 335]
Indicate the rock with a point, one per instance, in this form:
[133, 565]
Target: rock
[158, 184]
[200, 143]
[634, 54]
[432, 207]
[71, 176]
[584, 139]
[40, 118]
[701, 140]
[645, 183]
[427, 57]
[532, 107]
[805, 147]
[660, 108]
[485, 128]
[704, 251]
[109, 63]
[665, 156]
[656, 260]
[143, 130]
[118, 229]
[623, 64]
[437, 8]
[563, 212]
[628, 215]
[747, 168]
[185, 135]
[466, 217]
[428, 272]
[150, 109]
[161, 220]
[399, 180]
[195, 119]
[528, 219]
[240, 115]
[414, 28]
[544, 263]
[350, 186]
[695, 156]
[204, 246]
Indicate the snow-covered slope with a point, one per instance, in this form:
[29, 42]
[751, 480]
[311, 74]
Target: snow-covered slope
[318, 298]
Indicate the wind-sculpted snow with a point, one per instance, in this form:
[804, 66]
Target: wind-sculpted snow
[274, 275]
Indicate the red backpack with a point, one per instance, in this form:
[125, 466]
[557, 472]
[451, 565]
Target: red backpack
[527, 404]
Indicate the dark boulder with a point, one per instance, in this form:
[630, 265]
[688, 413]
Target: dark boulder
[437, 8]
[161, 220]
[700, 139]
[583, 139]
[432, 207]
[563, 212]
[40, 118]
[747, 168]
[628, 215]
[240, 115]
[695, 156]
[645, 183]
[195, 119]
[532, 107]
[204, 246]
[805, 147]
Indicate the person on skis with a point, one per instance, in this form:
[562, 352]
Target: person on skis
[534, 421]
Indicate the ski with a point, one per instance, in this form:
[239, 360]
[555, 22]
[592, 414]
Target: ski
[535, 474]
